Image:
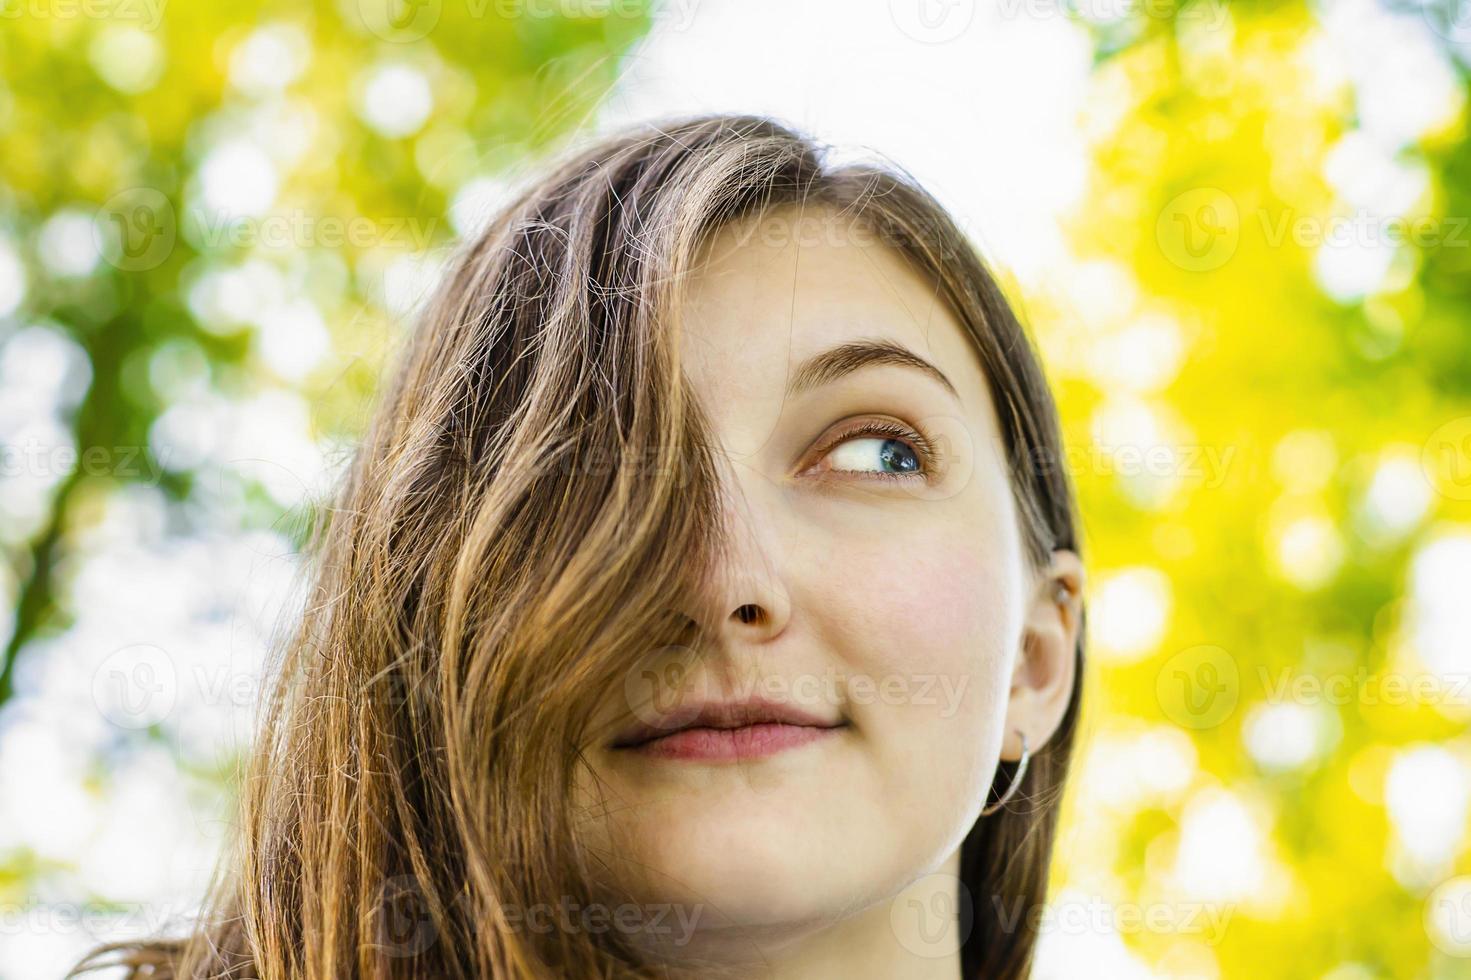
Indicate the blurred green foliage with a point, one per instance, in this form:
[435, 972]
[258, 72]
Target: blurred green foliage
[111, 110]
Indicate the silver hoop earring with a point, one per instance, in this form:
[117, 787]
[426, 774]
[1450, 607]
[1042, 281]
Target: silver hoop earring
[1021, 770]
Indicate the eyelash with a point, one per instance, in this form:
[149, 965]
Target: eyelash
[916, 441]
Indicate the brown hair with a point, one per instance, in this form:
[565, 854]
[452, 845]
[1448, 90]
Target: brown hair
[534, 495]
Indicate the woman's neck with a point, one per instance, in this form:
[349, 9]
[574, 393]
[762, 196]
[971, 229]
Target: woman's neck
[916, 935]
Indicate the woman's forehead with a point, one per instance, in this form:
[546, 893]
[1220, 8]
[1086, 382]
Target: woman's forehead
[770, 292]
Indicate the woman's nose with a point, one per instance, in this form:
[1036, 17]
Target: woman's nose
[750, 592]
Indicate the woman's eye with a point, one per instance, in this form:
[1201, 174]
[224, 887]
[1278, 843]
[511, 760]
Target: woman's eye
[881, 450]
[886, 455]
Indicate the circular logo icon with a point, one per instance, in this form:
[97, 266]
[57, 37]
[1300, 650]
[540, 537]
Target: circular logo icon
[932, 21]
[951, 459]
[400, 21]
[1198, 687]
[933, 917]
[1446, 459]
[405, 923]
[1199, 229]
[663, 683]
[1448, 916]
[1451, 19]
[135, 229]
[135, 687]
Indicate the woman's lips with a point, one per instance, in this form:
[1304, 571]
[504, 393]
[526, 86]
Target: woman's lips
[754, 741]
[721, 730]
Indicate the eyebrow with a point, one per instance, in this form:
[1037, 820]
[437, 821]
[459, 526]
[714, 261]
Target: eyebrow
[843, 359]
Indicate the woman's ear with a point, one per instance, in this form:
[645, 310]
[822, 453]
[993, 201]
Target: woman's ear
[1046, 665]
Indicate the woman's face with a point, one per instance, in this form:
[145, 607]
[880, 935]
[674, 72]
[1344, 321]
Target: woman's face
[835, 738]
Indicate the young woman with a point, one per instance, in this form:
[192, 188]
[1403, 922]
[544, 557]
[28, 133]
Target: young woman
[704, 601]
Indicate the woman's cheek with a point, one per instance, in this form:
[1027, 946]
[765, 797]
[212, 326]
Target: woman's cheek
[924, 663]
[931, 636]
[934, 613]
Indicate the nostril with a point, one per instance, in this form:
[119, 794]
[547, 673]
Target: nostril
[749, 613]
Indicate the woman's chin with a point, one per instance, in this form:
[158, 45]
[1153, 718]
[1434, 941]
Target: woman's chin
[764, 871]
